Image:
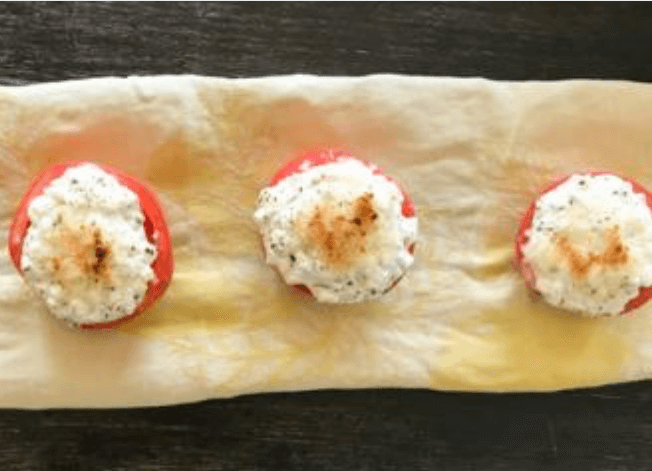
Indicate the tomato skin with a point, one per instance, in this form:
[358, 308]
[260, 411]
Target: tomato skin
[302, 291]
[644, 293]
[322, 156]
[155, 228]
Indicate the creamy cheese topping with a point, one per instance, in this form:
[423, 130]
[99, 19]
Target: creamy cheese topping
[590, 244]
[86, 252]
[338, 229]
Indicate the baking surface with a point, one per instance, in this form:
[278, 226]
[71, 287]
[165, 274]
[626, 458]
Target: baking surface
[472, 153]
[600, 429]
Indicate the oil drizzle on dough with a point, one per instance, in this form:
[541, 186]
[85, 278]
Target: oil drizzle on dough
[530, 346]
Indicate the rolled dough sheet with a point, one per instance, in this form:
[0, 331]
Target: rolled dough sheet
[472, 152]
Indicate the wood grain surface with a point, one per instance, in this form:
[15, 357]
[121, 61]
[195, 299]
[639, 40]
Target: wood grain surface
[599, 429]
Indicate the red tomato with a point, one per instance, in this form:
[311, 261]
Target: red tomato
[317, 157]
[644, 294]
[155, 228]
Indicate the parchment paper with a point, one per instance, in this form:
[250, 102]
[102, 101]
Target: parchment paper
[471, 152]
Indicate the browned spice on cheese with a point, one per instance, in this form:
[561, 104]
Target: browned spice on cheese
[614, 253]
[341, 234]
[84, 252]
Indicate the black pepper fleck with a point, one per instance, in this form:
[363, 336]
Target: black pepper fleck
[293, 258]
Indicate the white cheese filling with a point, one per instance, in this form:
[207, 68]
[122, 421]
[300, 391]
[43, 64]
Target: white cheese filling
[286, 214]
[86, 252]
[590, 244]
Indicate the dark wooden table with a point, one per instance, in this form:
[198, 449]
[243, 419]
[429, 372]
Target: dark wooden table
[379, 430]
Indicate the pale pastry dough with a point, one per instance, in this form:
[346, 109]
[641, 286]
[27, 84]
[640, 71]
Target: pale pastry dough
[471, 152]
